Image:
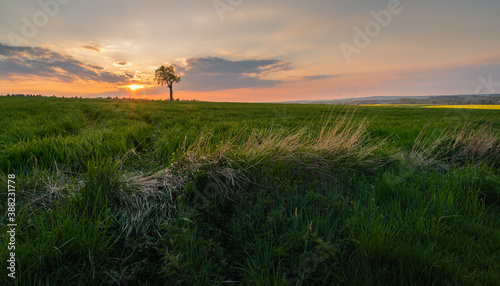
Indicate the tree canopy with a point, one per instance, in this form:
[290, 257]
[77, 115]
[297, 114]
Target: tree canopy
[165, 75]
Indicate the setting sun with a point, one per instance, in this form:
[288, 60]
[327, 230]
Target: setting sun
[134, 87]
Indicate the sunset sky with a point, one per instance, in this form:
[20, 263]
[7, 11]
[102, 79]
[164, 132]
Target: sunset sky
[250, 50]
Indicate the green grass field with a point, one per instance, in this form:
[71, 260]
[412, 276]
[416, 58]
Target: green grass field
[120, 192]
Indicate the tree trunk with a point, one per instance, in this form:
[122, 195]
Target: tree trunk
[171, 93]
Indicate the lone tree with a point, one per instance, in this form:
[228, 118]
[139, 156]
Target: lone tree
[166, 75]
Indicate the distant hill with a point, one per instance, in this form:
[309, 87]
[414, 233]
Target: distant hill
[430, 99]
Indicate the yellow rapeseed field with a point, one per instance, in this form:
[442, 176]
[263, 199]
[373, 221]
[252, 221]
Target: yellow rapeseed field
[490, 107]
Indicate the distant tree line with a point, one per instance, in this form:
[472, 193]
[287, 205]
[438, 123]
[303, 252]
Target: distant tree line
[27, 95]
[109, 97]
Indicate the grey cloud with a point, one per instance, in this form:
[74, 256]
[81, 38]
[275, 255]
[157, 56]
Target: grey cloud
[96, 67]
[112, 78]
[213, 65]
[315, 77]
[212, 73]
[42, 62]
[92, 48]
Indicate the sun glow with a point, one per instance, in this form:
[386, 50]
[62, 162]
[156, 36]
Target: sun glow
[134, 87]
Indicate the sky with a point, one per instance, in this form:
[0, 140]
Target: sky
[250, 50]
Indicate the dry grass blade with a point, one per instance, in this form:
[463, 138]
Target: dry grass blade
[463, 144]
[340, 142]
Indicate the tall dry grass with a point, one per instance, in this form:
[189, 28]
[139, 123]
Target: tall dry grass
[339, 143]
[463, 144]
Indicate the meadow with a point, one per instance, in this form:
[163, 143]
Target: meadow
[127, 192]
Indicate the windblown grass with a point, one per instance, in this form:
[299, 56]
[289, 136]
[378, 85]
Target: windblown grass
[464, 144]
[146, 193]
